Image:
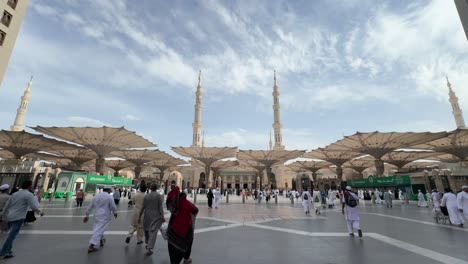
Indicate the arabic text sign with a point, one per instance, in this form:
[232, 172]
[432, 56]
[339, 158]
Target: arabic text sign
[381, 181]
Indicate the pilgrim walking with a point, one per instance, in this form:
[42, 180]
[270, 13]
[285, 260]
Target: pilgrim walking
[104, 207]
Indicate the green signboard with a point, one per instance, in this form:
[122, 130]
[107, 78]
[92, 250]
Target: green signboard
[108, 180]
[371, 181]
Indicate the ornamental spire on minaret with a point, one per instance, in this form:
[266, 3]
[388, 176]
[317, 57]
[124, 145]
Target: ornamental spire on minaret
[197, 123]
[22, 109]
[456, 110]
[277, 118]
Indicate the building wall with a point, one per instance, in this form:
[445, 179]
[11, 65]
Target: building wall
[11, 31]
[462, 7]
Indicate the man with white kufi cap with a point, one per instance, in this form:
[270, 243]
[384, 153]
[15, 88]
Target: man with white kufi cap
[349, 202]
[462, 201]
[105, 207]
[4, 195]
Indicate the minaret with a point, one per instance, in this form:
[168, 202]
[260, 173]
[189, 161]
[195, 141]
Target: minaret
[457, 112]
[197, 123]
[203, 140]
[277, 119]
[271, 143]
[22, 109]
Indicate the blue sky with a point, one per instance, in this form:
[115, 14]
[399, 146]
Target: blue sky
[342, 67]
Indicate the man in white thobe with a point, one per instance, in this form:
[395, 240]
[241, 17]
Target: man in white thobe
[135, 225]
[378, 200]
[349, 209]
[217, 197]
[306, 200]
[449, 200]
[435, 196]
[105, 207]
[462, 201]
[331, 198]
[421, 201]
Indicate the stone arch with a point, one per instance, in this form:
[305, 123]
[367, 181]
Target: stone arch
[175, 179]
[202, 181]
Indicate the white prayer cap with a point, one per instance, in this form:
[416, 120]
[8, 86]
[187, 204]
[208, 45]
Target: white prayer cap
[348, 188]
[463, 187]
[4, 187]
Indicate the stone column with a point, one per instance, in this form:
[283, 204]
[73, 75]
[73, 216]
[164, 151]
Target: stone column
[45, 183]
[339, 174]
[379, 167]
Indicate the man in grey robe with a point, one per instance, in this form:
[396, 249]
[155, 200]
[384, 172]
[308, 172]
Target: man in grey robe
[153, 217]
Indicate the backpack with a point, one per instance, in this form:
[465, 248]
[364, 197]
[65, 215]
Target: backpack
[306, 196]
[351, 202]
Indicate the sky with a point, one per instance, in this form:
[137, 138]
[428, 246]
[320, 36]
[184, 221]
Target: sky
[342, 67]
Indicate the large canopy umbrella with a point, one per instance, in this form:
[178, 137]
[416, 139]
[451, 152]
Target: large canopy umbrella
[78, 156]
[455, 143]
[401, 158]
[422, 164]
[309, 165]
[166, 163]
[206, 155]
[360, 164]
[269, 158]
[255, 166]
[21, 143]
[377, 144]
[102, 140]
[218, 166]
[447, 158]
[118, 165]
[337, 158]
[139, 157]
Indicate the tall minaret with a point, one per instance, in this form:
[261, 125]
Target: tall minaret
[277, 119]
[270, 143]
[197, 123]
[22, 109]
[457, 112]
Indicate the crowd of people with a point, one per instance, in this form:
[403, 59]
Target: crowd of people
[148, 211]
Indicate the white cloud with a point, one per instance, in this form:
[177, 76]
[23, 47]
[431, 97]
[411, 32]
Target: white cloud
[85, 121]
[129, 117]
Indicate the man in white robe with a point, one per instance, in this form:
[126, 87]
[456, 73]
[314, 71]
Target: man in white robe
[449, 200]
[316, 201]
[462, 201]
[217, 197]
[105, 207]
[435, 196]
[306, 201]
[331, 198]
[135, 225]
[350, 211]
[421, 201]
[378, 200]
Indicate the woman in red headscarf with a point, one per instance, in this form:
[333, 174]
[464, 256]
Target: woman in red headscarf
[181, 226]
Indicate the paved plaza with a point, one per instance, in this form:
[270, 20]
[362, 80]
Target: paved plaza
[254, 233]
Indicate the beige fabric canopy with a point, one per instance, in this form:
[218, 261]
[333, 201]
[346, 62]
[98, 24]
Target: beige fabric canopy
[102, 140]
[448, 158]
[336, 157]
[79, 155]
[269, 158]
[163, 164]
[401, 158]
[377, 144]
[140, 157]
[312, 166]
[118, 165]
[206, 155]
[360, 164]
[21, 143]
[455, 143]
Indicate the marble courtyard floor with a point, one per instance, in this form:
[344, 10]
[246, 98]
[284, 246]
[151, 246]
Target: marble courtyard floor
[254, 233]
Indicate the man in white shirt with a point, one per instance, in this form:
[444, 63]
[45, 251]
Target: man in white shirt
[105, 207]
[462, 201]
[217, 197]
[14, 212]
